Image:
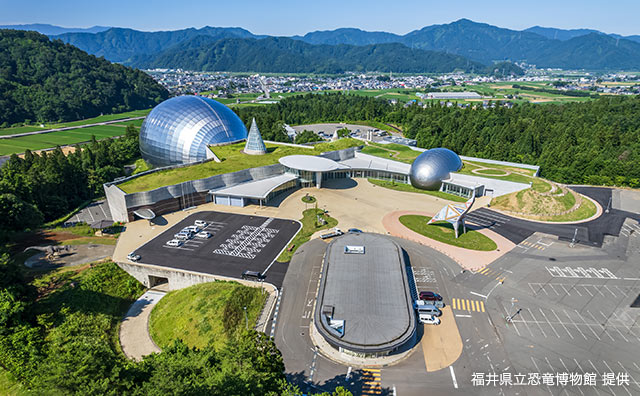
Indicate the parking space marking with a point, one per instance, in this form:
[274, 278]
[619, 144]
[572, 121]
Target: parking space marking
[601, 325]
[565, 327]
[599, 374]
[624, 369]
[590, 327]
[177, 247]
[606, 320]
[580, 272]
[545, 318]
[538, 323]
[609, 290]
[574, 324]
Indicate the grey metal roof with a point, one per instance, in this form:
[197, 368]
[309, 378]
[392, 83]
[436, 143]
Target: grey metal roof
[370, 292]
[258, 189]
[310, 163]
[371, 162]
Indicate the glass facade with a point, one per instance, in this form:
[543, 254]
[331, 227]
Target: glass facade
[255, 144]
[178, 130]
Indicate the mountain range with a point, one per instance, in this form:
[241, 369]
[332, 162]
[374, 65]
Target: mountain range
[51, 30]
[211, 47]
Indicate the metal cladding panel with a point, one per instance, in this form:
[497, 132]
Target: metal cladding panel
[432, 167]
[178, 130]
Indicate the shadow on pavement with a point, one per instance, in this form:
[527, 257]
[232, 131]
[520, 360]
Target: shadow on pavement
[358, 381]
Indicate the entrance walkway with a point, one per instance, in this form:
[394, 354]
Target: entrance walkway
[134, 331]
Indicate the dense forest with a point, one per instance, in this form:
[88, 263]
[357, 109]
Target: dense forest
[595, 142]
[57, 338]
[44, 81]
[285, 55]
[43, 187]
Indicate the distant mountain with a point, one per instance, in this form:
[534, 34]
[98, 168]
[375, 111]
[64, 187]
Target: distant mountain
[349, 36]
[43, 81]
[50, 30]
[478, 42]
[120, 45]
[595, 50]
[559, 34]
[280, 54]
[564, 34]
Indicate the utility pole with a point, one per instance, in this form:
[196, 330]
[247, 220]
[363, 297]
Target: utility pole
[246, 318]
[573, 241]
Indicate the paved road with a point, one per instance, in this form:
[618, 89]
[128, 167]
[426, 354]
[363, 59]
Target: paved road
[71, 127]
[312, 371]
[590, 233]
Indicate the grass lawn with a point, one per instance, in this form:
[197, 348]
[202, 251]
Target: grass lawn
[309, 227]
[493, 172]
[208, 313]
[584, 211]
[233, 159]
[409, 188]
[308, 199]
[9, 386]
[443, 232]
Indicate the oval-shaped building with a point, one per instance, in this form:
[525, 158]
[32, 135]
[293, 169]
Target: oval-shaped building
[364, 305]
[433, 166]
[178, 130]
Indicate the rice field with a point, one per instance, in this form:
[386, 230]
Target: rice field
[61, 138]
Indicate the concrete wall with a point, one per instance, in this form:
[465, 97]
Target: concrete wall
[499, 187]
[179, 279]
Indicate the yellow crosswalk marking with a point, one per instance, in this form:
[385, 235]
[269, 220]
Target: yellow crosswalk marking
[482, 306]
[463, 304]
[484, 270]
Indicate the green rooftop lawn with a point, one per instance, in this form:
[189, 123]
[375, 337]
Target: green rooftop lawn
[233, 160]
[443, 232]
[409, 188]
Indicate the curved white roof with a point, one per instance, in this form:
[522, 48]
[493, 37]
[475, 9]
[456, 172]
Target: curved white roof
[310, 163]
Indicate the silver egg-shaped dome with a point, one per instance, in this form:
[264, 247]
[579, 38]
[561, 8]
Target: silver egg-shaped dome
[433, 166]
[178, 130]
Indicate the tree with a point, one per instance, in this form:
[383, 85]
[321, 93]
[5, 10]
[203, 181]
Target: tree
[307, 137]
[17, 214]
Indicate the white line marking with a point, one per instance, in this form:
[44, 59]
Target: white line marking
[478, 294]
[463, 316]
[545, 318]
[453, 377]
[565, 327]
[574, 324]
[540, 327]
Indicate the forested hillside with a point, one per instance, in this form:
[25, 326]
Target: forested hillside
[596, 142]
[285, 55]
[44, 81]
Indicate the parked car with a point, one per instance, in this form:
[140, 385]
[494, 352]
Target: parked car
[182, 236]
[252, 275]
[174, 243]
[204, 235]
[428, 309]
[430, 296]
[200, 223]
[192, 228]
[437, 304]
[428, 319]
[354, 230]
[133, 257]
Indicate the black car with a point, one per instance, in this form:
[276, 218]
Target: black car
[252, 275]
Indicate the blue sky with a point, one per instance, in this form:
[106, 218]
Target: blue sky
[289, 17]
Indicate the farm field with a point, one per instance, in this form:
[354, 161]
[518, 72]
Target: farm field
[103, 118]
[61, 138]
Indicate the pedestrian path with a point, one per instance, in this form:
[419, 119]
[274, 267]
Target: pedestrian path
[492, 273]
[371, 383]
[134, 331]
[463, 304]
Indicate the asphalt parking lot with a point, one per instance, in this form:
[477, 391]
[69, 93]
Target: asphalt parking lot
[239, 243]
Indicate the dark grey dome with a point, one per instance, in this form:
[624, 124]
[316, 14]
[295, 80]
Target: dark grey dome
[178, 130]
[432, 167]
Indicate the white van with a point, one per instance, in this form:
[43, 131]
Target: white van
[174, 243]
[200, 223]
[181, 236]
[428, 319]
[428, 310]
